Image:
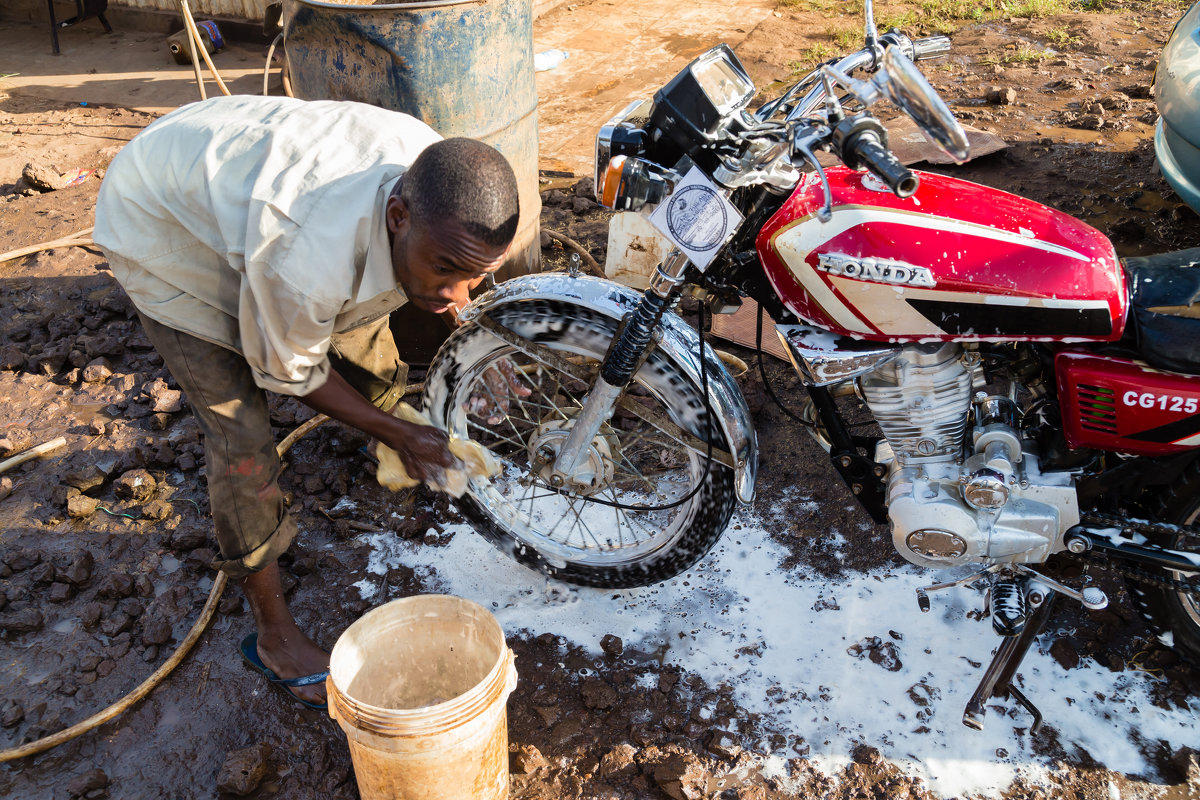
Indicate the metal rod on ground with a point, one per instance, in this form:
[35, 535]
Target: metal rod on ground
[80, 239]
[192, 45]
[285, 76]
[267, 68]
[305, 427]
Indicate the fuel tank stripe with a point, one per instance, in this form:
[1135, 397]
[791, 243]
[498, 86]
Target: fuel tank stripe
[794, 244]
[807, 237]
[983, 319]
[887, 316]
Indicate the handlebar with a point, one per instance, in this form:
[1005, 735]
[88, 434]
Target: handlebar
[915, 49]
[930, 47]
[875, 157]
[861, 142]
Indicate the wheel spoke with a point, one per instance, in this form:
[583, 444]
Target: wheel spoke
[570, 394]
[523, 404]
[644, 465]
[633, 472]
[584, 525]
[520, 445]
[632, 520]
[497, 404]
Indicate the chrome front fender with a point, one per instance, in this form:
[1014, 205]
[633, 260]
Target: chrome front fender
[680, 342]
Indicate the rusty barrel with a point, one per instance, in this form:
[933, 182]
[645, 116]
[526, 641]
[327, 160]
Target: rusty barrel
[419, 687]
[464, 68]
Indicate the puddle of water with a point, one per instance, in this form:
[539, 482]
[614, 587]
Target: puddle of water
[169, 717]
[34, 678]
[167, 565]
[65, 626]
[86, 412]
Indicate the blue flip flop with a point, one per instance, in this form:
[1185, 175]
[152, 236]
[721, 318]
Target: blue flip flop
[249, 649]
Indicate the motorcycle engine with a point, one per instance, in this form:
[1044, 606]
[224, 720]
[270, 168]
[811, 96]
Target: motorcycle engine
[962, 486]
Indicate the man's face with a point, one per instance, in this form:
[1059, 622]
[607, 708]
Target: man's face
[437, 268]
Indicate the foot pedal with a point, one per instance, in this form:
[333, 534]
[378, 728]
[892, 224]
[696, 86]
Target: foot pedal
[1010, 612]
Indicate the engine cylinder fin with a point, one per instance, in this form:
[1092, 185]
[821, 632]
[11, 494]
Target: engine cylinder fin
[921, 402]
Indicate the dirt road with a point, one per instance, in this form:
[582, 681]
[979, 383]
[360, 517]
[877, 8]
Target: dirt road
[104, 548]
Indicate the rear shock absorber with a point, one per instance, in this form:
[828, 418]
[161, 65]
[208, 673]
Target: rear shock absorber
[629, 349]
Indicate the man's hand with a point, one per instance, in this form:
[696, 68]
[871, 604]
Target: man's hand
[424, 450]
[493, 397]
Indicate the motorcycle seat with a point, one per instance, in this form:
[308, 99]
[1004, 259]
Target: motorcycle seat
[1164, 299]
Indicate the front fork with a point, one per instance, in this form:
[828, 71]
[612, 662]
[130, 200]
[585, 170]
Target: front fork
[635, 338]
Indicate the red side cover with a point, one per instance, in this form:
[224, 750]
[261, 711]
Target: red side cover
[1118, 404]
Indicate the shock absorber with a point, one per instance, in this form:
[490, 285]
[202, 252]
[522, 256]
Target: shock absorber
[625, 355]
[633, 339]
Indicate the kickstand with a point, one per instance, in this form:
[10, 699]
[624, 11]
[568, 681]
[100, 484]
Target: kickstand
[1024, 702]
[997, 680]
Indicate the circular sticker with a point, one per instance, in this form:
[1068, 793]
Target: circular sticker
[697, 218]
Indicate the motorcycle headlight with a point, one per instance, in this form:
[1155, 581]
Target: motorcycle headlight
[699, 100]
[723, 81]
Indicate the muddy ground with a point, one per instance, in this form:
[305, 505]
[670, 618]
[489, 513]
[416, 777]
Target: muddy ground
[105, 546]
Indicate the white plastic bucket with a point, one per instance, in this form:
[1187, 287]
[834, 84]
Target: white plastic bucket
[419, 687]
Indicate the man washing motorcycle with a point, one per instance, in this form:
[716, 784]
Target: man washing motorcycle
[264, 242]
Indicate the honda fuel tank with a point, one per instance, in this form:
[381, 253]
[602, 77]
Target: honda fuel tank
[955, 261]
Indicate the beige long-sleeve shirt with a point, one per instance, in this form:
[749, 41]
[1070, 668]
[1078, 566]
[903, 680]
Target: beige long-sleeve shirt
[258, 223]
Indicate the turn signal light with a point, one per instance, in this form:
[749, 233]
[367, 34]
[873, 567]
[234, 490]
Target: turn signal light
[612, 182]
[630, 184]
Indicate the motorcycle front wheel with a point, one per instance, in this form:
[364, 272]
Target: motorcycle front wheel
[648, 507]
[1174, 614]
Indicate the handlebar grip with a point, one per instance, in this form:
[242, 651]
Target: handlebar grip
[930, 47]
[869, 153]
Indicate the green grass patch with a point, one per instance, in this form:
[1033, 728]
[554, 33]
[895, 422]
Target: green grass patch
[1026, 54]
[1059, 37]
[946, 16]
[934, 16]
[846, 39]
[814, 55]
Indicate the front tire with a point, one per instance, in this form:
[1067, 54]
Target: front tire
[1175, 615]
[579, 535]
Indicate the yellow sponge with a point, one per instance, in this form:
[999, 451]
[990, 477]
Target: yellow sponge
[473, 461]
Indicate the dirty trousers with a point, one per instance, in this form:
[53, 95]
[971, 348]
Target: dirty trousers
[251, 521]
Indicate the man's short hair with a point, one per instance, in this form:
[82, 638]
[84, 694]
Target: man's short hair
[468, 181]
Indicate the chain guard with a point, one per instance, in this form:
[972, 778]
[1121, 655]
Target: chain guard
[1156, 578]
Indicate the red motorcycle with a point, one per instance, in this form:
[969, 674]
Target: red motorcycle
[1033, 393]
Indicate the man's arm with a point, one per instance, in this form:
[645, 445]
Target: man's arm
[422, 448]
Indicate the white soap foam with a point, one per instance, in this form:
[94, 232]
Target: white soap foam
[804, 682]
